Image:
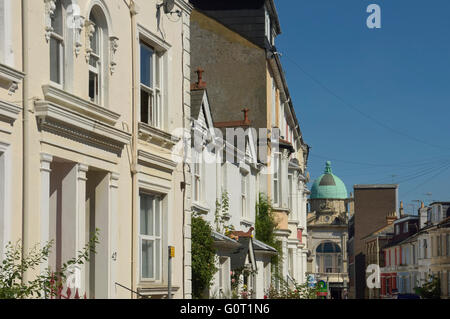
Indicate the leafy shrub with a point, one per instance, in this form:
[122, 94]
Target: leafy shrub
[203, 257]
[431, 289]
[15, 265]
[265, 226]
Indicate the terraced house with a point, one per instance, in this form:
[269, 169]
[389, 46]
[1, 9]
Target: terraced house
[91, 93]
[234, 43]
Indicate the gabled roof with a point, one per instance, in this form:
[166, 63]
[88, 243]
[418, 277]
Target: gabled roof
[224, 242]
[259, 246]
[239, 256]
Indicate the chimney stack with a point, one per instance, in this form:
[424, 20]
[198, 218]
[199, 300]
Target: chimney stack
[200, 84]
[246, 120]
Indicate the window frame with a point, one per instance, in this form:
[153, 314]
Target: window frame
[156, 92]
[197, 176]
[244, 194]
[61, 43]
[157, 276]
[276, 191]
[97, 54]
[290, 194]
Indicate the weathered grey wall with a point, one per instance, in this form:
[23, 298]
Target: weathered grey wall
[235, 71]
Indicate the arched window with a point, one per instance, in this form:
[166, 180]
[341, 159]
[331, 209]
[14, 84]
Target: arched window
[57, 44]
[329, 258]
[98, 48]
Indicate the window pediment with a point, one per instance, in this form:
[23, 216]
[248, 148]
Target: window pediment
[157, 136]
[9, 112]
[65, 122]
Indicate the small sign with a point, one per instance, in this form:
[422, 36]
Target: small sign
[312, 281]
[171, 251]
[323, 286]
[323, 289]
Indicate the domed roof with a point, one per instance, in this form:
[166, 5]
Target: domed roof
[328, 186]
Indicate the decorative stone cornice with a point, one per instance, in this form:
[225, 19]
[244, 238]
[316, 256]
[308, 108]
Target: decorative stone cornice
[155, 160]
[64, 122]
[9, 112]
[12, 77]
[282, 233]
[80, 105]
[157, 137]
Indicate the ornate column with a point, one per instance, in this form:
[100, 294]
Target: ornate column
[113, 211]
[46, 161]
[81, 231]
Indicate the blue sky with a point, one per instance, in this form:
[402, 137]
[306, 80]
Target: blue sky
[374, 102]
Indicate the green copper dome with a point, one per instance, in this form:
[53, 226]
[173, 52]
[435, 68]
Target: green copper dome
[328, 186]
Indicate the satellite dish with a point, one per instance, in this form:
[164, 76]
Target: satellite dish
[168, 6]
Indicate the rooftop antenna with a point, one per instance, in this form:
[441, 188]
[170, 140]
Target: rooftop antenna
[419, 202]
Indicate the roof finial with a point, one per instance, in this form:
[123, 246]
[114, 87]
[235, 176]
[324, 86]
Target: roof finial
[328, 169]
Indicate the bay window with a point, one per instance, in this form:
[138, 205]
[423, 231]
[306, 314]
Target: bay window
[151, 86]
[150, 237]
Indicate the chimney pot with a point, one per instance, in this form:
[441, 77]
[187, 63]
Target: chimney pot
[200, 84]
[246, 120]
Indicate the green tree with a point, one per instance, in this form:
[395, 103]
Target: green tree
[203, 257]
[265, 226]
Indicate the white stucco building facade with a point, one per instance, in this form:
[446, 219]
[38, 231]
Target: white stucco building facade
[91, 107]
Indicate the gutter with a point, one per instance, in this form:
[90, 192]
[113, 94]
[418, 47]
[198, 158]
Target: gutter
[25, 114]
[134, 142]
